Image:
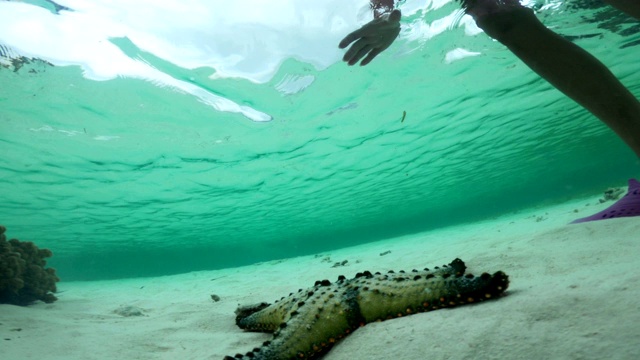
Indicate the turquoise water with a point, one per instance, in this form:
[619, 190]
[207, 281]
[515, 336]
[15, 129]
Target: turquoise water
[125, 177]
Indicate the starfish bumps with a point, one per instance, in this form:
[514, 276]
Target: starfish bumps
[308, 323]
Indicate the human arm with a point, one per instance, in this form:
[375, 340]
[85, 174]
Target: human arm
[569, 68]
[631, 7]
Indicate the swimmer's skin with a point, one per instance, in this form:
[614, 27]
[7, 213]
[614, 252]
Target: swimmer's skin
[555, 59]
[631, 7]
[564, 64]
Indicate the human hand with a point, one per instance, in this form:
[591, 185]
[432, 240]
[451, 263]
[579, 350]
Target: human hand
[372, 39]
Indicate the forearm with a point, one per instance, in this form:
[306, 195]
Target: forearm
[631, 7]
[569, 68]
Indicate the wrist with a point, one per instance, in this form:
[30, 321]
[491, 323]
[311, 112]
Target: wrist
[381, 7]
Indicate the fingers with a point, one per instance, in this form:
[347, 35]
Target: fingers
[350, 38]
[371, 56]
[354, 49]
[372, 38]
[360, 54]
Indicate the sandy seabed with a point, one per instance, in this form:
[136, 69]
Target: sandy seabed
[574, 294]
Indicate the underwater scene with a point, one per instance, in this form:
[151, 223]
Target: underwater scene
[168, 137]
[225, 149]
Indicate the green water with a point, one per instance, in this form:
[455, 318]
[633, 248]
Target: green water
[124, 178]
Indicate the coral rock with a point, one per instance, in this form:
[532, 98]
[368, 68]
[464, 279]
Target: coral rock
[23, 276]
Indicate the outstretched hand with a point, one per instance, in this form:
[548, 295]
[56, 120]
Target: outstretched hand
[372, 39]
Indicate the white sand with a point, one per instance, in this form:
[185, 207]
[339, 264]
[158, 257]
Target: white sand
[574, 294]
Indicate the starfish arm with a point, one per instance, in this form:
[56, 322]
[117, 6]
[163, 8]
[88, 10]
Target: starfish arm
[308, 323]
[264, 317]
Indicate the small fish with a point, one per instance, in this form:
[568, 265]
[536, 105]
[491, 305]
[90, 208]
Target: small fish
[404, 115]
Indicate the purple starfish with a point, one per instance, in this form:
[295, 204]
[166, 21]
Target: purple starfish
[628, 205]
